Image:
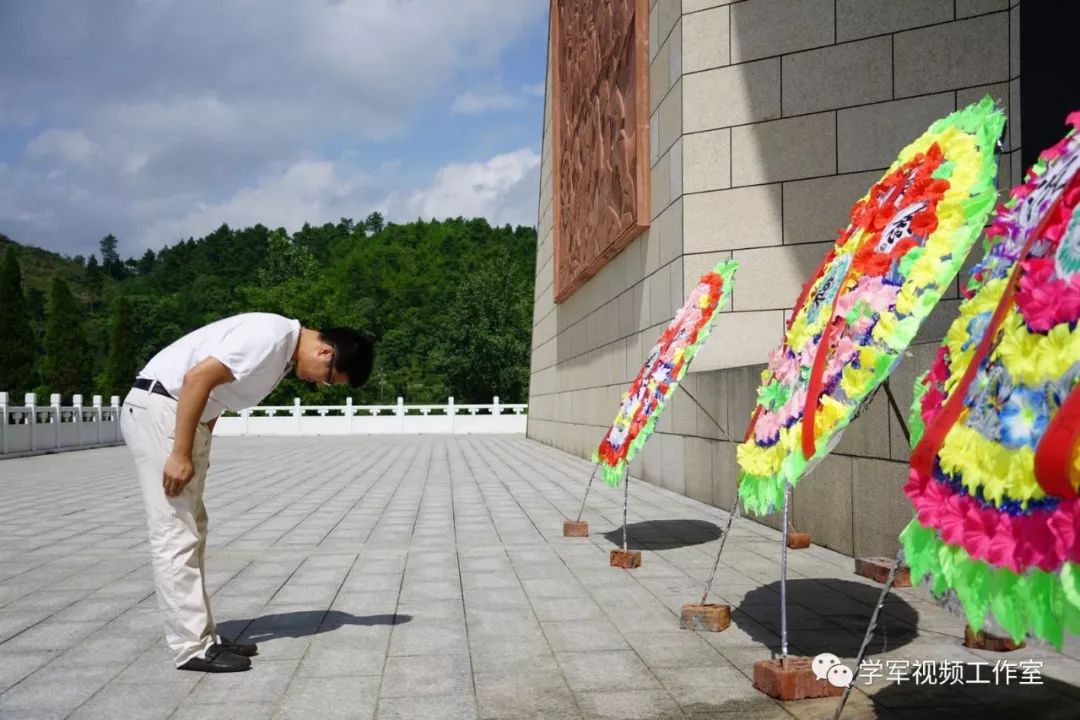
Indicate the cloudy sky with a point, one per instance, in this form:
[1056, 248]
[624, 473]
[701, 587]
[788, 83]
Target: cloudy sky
[157, 120]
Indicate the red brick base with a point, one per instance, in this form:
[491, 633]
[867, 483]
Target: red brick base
[877, 569]
[798, 540]
[626, 559]
[711, 617]
[575, 528]
[985, 641]
[794, 681]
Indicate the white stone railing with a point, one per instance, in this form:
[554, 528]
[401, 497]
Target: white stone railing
[349, 419]
[30, 429]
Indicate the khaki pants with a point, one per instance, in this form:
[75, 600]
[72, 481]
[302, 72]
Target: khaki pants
[177, 525]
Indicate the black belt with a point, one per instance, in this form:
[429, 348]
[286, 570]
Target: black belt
[152, 386]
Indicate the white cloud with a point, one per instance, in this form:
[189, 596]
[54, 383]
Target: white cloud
[478, 102]
[312, 191]
[180, 113]
[44, 219]
[504, 189]
[154, 120]
[70, 145]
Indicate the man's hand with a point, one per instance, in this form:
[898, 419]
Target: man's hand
[178, 473]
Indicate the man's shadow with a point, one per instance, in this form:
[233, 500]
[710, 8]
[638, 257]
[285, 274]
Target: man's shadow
[302, 623]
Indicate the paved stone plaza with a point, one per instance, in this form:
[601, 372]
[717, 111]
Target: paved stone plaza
[427, 577]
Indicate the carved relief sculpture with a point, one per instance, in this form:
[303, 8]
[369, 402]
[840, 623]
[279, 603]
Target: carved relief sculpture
[600, 133]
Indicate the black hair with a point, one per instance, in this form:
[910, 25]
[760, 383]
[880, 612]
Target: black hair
[355, 353]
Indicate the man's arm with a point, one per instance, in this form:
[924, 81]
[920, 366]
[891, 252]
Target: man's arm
[198, 382]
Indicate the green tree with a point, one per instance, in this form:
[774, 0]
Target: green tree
[374, 223]
[146, 262]
[284, 260]
[95, 280]
[16, 335]
[484, 348]
[110, 259]
[68, 366]
[108, 249]
[121, 364]
[35, 305]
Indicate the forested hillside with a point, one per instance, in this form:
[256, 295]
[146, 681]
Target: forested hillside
[449, 303]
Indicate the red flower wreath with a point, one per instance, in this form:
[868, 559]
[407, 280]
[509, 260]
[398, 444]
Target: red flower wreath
[900, 209]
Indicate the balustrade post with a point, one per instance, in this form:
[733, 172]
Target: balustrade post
[76, 404]
[54, 406]
[97, 417]
[299, 416]
[3, 423]
[400, 412]
[30, 401]
[451, 412]
[115, 402]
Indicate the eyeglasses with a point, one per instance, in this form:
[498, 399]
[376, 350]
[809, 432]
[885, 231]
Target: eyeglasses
[330, 369]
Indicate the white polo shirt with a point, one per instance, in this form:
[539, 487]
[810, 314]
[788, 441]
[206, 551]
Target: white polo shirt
[257, 348]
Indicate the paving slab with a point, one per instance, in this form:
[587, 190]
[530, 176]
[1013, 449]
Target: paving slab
[427, 577]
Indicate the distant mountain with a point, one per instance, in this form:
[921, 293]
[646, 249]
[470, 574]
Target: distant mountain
[449, 302]
[39, 267]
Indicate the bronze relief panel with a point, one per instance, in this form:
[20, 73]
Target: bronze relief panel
[600, 140]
